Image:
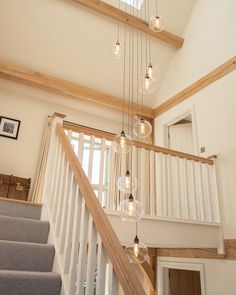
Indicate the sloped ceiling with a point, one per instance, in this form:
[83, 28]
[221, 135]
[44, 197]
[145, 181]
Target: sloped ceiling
[67, 40]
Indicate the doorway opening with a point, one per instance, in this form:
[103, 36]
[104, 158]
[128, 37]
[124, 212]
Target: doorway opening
[184, 282]
[180, 135]
[180, 277]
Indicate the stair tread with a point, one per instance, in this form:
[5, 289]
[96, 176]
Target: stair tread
[20, 202]
[22, 219]
[27, 283]
[26, 256]
[23, 209]
[23, 229]
[19, 273]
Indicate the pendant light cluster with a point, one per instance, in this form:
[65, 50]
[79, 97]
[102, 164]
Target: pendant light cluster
[130, 208]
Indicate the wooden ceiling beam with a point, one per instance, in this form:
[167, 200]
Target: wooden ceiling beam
[62, 87]
[137, 23]
[205, 81]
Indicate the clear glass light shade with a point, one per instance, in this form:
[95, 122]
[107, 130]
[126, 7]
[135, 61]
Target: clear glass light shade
[117, 50]
[122, 143]
[156, 23]
[137, 252]
[152, 71]
[147, 85]
[130, 210]
[127, 183]
[142, 128]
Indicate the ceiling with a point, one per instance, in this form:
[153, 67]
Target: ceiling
[67, 40]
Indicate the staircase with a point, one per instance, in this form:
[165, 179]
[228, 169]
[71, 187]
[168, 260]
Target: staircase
[26, 259]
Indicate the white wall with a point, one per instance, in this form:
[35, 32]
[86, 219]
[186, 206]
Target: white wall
[209, 43]
[20, 157]
[214, 110]
[219, 275]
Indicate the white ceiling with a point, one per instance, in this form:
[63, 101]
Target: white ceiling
[72, 42]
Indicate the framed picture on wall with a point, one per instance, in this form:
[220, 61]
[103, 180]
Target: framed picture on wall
[9, 127]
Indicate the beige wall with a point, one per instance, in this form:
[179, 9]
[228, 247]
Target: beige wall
[20, 157]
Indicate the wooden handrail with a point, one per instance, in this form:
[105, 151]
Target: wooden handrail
[119, 260]
[110, 136]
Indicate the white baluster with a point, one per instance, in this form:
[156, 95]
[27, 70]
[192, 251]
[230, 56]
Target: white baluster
[60, 192]
[159, 184]
[184, 190]
[68, 207]
[142, 183]
[82, 250]
[91, 265]
[206, 193]
[81, 147]
[71, 251]
[108, 282]
[54, 169]
[101, 271]
[216, 201]
[63, 199]
[55, 183]
[58, 185]
[115, 284]
[175, 179]
[199, 190]
[91, 155]
[164, 185]
[169, 187]
[101, 173]
[193, 208]
[152, 184]
[112, 181]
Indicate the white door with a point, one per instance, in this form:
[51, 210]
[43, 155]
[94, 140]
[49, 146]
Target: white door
[181, 138]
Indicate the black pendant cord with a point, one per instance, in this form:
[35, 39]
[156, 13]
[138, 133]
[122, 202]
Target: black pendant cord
[146, 40]
[124, 77]
[149, 37]
[136, 228]
[156, 8]
[141, 65]
[118, 29]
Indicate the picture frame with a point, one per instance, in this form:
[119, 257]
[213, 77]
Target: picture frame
[9, 127]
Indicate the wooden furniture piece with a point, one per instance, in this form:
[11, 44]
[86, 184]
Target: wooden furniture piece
[14, 187]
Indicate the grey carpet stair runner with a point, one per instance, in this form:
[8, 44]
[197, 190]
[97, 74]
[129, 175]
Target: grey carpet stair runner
[25, 258]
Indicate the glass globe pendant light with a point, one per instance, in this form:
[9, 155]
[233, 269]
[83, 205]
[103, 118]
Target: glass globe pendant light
[130, 209]
[122, 143]
[156, 23]
[152, 70]
[147, 84]
[127, 183]
[117, 50]
[137, 252]
[142, 128]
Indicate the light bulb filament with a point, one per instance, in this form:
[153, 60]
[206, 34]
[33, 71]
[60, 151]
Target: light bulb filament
[127, 182]
[147, 83]
[136, 250]
[122, 142]
[130, 209]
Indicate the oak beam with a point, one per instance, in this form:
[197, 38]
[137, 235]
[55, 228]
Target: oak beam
[197, 86]
[137, 23]
[63, 87]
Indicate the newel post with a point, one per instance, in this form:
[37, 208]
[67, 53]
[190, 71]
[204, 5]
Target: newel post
[55, 119]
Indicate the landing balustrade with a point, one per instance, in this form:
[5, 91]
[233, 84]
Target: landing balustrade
[171, 184]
